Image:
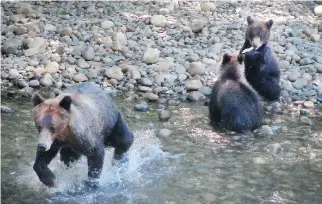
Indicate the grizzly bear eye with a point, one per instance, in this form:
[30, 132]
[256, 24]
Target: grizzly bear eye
[38, 128]
[52, 129]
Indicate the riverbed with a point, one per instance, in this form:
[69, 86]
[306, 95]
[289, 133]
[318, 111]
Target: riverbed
[194, 164]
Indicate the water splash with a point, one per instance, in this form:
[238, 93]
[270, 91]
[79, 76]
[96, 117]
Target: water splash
[114, 179]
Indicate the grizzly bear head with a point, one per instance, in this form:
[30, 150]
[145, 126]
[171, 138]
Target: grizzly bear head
[51, 118]
[258, 32]
[230, 67]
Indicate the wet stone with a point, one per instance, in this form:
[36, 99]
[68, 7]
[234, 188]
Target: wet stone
[164, 115]
[306, 120]
[208, 197]
[195, 96]
[205, 91]
[264, 131]
[141, 107]
[7, 110]
[273, 149]
[164, 133]
[259, 160]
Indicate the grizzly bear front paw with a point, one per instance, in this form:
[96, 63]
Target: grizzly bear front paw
[120, 160]
[91, 184]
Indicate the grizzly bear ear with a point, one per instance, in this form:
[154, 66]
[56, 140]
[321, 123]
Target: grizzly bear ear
[269, 23]
[250, 20]
[226, 58]
[66, 102]
[37, 99]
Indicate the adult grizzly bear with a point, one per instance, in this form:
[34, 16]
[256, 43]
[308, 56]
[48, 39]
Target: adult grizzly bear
[83, 120]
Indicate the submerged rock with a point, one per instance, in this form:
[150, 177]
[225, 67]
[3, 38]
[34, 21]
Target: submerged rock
[306, 120]
[208, 197]
[164, 133]
[141, 107]
[164, 115]
[264, 131]
[7, 110]
[274, 149]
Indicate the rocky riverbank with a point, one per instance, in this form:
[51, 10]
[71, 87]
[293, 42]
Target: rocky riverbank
[162, 51]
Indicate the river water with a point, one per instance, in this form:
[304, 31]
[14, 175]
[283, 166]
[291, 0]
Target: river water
[195, 164]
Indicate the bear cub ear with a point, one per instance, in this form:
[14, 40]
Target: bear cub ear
[66, 102]
[241, 58]
[269, 23]
[226, 59]
[37, 99]
[250, 20]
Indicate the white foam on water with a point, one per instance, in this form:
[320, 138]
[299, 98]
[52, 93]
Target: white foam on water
[146, 148]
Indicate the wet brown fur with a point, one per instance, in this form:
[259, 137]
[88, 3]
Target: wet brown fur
[60, 117]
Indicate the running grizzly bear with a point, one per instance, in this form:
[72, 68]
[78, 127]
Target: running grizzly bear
[233, 102]
[83, 120]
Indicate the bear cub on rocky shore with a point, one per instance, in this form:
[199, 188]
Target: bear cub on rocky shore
[83, 120]
[261, 68]
[233, 101]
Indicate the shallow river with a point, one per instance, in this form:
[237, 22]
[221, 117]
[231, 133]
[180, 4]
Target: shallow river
[195, 164]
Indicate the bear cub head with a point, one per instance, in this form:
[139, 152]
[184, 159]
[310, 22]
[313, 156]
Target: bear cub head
[230, 67]
[258, 32]
[51, 118]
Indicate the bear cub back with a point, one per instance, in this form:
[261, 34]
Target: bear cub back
[233, 102]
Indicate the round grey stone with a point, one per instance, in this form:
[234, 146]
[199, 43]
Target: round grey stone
[164, 115]
[205, 91]
[80, 77]
[13, 74]
[196, 68]
[151, 96]
[88, 53]
[146, 82]
[141, 107]
[300, 83]
[197, 25]
[11, 46]
[195, 96]
[81, 63]
[164, 133]
[34, 83]
[284, 65]
[193, 85]
[46, 80]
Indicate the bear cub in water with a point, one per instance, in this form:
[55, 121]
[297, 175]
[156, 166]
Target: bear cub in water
[233, 101]
[261, 68]
[83, 120]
